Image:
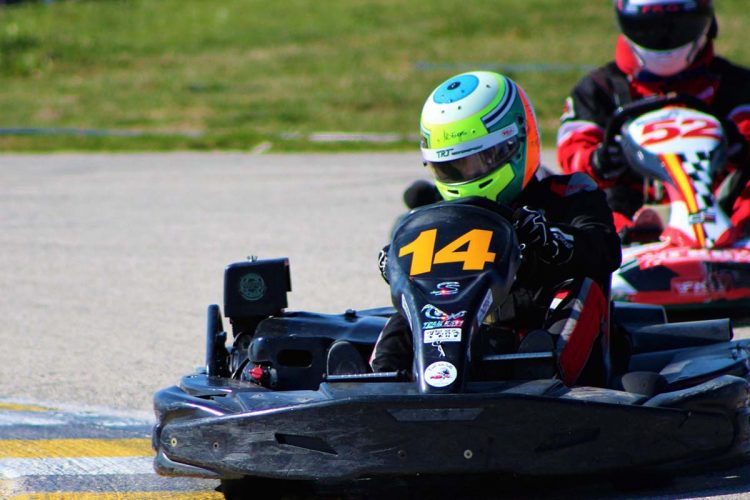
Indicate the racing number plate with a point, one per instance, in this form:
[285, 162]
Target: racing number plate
[472, 249]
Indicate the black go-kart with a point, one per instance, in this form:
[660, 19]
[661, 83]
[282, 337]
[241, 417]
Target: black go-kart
[290, 400]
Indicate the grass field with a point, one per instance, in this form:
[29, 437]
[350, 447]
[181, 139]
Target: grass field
[233, 74]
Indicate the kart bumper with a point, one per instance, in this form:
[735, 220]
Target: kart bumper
[215, 428]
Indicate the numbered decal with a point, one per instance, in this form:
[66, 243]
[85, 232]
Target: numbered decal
[472, 249]
[670, 128]
[442, 335]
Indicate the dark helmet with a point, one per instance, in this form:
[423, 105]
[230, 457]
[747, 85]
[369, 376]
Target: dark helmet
[666, 35]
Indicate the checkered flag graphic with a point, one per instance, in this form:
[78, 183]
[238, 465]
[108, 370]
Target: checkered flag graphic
[697, 166]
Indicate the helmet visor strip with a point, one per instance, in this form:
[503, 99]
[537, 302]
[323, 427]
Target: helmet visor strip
[475, 166]
[665, 32]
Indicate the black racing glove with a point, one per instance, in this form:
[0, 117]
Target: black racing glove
[421, 193]
[535, 232]
[383, 263]
[738, 150]
[608, 161]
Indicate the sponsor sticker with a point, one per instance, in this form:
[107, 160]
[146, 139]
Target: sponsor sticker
[252, 287]
[715, 282]
[689, 287]
[446, 288]
[432, 312]
[439, 347]
[454, 323]
[440, 374]
[702, 217]
[674, 256]
[442, 335]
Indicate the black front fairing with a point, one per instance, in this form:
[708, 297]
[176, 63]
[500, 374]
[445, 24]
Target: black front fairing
[450, 264]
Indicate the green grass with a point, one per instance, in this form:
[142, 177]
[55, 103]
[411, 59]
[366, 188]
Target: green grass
[243, 72]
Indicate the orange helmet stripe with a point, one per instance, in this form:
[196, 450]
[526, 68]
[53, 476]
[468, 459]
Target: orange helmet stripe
[533, 147]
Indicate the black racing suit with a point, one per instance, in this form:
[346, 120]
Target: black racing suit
[576, 206]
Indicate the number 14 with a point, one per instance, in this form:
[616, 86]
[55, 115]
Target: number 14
[475, 255]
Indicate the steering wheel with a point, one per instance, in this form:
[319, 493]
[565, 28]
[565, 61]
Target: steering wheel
[642, 106]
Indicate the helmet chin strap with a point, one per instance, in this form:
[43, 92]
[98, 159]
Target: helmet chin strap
[667, 63]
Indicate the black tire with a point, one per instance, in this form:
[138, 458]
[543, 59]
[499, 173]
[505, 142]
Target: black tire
[260, 487]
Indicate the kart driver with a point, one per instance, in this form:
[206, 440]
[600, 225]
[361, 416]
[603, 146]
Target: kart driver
[480, 139]
[664, 46]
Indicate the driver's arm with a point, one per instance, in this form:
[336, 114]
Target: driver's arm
[739, 151]
[582, 125]
[565, 222]
[596, 245]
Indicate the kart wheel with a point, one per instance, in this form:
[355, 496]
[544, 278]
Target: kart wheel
[249, 487]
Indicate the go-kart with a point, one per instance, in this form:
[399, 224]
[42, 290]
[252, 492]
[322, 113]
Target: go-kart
[274, 405]
[683, 252]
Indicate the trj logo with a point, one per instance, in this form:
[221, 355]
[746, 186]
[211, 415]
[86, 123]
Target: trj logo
[252, 287]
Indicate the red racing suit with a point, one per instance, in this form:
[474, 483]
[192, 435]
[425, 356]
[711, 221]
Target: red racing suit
[573, 204]
[723, 86]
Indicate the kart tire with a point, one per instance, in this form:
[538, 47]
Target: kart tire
[249, 487]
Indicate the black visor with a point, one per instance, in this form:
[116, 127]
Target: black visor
[664, 31]
[477, 165]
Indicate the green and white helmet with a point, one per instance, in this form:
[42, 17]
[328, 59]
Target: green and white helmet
[480, 137]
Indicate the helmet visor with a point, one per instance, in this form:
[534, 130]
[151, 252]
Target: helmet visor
[475, 166]
[665, 32]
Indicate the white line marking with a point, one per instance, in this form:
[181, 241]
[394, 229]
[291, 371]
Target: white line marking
[134, 416]
[28, 418]
[47, 419]
[13, 468]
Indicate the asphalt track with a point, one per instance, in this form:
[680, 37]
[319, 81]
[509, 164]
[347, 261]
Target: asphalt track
[108, 263]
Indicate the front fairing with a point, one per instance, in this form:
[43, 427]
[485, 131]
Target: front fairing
[450, 264]
[683, 149]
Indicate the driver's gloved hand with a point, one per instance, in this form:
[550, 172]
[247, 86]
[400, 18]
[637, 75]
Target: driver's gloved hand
[738, 150]
[608, 161]
[533, 230]
[383, 263]
[421, 193]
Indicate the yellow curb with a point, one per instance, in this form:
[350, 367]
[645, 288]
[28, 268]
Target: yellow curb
[19, 407]
[58, 448]
[135, 495]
